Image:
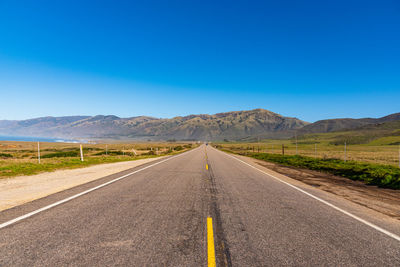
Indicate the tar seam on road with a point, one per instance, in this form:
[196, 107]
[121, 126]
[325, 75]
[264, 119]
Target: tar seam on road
[20, 218]
[222, 249]
[210, 243]
[386, 232]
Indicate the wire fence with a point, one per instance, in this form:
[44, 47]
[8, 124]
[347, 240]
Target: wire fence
[389, 155]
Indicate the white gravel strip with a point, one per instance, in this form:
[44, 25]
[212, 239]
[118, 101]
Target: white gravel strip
[21, 189]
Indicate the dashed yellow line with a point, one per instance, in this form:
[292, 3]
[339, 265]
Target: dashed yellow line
[210, 243]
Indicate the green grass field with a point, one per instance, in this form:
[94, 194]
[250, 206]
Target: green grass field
[21, 158]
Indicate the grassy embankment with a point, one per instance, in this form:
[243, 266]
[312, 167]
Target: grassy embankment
[20, 158]
[375, 162]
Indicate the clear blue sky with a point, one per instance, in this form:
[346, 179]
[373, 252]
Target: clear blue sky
[308, 59]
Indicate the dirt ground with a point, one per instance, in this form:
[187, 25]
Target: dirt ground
[386, 201]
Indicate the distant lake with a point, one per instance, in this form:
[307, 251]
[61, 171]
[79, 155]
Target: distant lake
[37, 139]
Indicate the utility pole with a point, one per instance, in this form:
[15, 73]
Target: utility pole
[38, 151]
[81, 152]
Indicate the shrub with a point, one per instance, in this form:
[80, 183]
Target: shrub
[178, 148]
[110, 152]
[61, 154]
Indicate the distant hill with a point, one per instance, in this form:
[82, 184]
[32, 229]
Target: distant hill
[386, 133]
[236, 125]
[37, 126]
[229, 125]
[333, 125]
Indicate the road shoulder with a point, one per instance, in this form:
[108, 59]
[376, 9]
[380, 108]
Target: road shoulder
[22, 189]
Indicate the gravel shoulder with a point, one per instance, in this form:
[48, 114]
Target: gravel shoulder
[22, 189]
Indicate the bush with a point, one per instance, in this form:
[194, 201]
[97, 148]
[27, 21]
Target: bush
[151, 152]
[5, 155]
[61, 154]
[111, 153]
[178, 148]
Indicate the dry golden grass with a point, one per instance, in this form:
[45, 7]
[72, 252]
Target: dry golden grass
[382, 154]
[21, 158]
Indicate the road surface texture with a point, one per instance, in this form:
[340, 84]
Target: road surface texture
[156, 215]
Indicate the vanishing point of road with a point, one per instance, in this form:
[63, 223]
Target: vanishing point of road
[199, 208]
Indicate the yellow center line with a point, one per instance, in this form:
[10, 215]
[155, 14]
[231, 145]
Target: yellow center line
[210, 243]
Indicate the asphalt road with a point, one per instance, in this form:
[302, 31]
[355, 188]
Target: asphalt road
[158, 217]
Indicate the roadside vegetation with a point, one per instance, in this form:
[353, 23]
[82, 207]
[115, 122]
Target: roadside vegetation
[370, 163]
[384, 150]
[21, 158]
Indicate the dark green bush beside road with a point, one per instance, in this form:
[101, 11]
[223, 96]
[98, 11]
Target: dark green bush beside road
[373, 174]
[61, 154]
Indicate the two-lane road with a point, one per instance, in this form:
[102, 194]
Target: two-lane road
[157, 216]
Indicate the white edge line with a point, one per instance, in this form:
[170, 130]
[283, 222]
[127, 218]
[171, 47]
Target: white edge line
[20, 218]
[386, 232]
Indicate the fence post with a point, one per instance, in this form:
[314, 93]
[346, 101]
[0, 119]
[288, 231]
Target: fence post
[283, 149]
[345, 156]
[81, 152]
[296, 146]
[106, 149]
[315, 150]
[38, 149]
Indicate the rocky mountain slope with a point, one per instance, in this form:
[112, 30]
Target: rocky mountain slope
[229, 125]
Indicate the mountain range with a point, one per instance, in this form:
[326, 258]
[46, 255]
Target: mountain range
[235, 125]
[333, 125]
